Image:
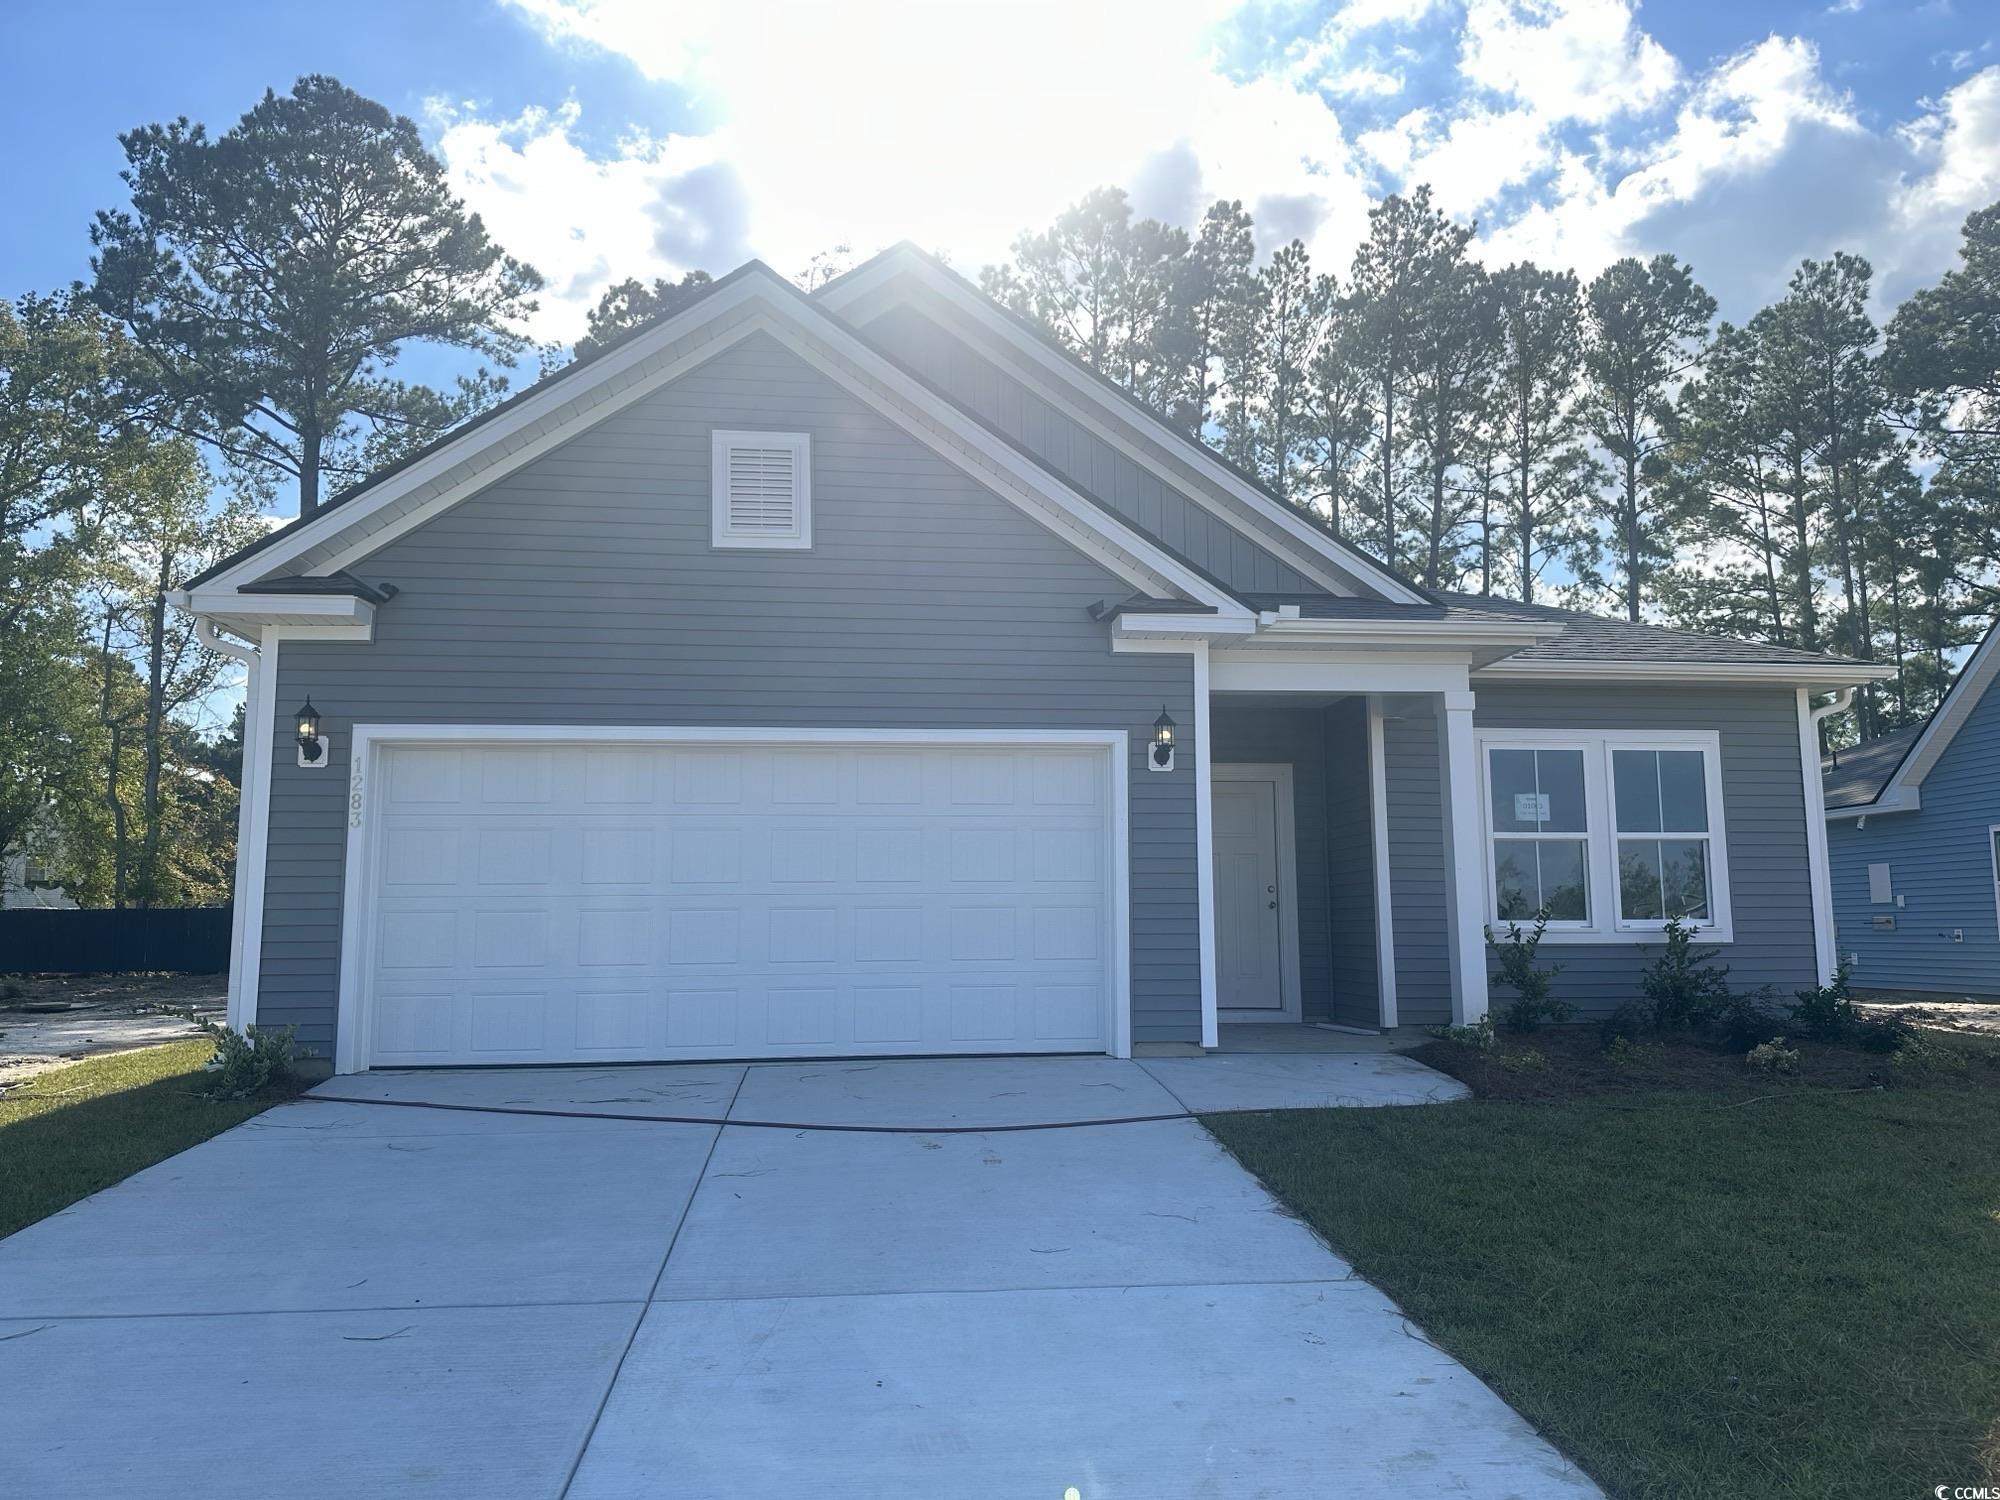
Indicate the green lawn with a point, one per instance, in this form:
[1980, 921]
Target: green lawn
[68, 1132]
[1691, 1295]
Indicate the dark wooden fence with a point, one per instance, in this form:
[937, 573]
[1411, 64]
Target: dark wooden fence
[171, 940]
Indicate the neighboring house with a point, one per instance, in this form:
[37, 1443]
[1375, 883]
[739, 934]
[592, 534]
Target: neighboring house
[25, 885]
[1913, 826]
[794, 678]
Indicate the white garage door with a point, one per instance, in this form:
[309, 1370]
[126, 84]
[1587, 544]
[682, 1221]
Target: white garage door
[556, 902]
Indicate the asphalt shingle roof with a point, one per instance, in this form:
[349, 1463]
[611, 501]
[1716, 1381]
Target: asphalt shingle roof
[1856, 775]
[1585, 637]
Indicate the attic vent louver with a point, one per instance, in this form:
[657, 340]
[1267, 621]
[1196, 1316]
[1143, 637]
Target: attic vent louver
[762, 489]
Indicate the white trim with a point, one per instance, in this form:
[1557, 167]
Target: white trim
[1385, 917]
[585, 399]
[1204, 855]
[253, 661]
[1321, 548]
[260, 724]
[1993, 849]
[722, 533]
[363, 855]
[1818, 861]
[1605, 925]
[1709, 673]
[1246, 670]
[1291, 1004]
[1459, 800]
[1901, 792]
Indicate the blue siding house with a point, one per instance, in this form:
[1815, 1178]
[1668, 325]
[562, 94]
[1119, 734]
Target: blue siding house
[1913, 831]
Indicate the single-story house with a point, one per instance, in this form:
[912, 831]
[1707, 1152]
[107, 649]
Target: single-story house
[1913, 831]
[856, 674]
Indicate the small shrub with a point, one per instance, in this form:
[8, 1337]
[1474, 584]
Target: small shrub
[1773, 1057]
[1827, 1011]
[247, 1062]
[1747, 1020]
[1624, 1052]
[1625, 1024]
[1478, 1036]
[1522, 1060]
[1683, 987]
[1881, 1033]
[1534, 1001]
[1921, 1060]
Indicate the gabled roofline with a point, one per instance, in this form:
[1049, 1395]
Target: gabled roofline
[562, 402]
[1087, 385]
[1902, 791]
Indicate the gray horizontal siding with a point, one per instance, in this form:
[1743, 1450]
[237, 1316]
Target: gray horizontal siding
[582, 590]
[1940, 862]
[1417, 870]
[1350, 853]
[1763, 797]
[1134, 491]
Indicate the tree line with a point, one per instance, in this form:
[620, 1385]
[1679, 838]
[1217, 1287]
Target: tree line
[1804, 478]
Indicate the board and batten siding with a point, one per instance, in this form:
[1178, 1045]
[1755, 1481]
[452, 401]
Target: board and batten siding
[1940, 861]
[582, 589]
[1006, 404]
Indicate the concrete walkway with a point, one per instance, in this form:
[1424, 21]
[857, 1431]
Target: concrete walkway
[351, 1298]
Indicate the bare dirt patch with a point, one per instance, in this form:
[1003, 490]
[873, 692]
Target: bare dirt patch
[1974, 1017]
[49, 1019]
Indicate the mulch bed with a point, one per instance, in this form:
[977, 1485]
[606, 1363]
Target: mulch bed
[1571, 1062]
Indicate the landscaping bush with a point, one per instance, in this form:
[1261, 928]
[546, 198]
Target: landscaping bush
[1826, 1011]
[1773, 1057]
[1748, 1019]
[1881, 1033]
[1921, 1060]
[1624, 1052]
[1626, 1024]
[1478, 1036]
[1683, 987]
[1534, 1000]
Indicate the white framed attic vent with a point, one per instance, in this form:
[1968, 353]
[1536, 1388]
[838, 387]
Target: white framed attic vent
[761, 489]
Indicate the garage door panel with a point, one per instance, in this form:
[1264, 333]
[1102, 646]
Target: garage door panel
[570, 903]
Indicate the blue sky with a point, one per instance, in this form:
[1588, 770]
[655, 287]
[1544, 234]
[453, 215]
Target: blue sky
[605, 138]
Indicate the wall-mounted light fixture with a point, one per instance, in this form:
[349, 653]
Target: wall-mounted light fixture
[1162, 758]
[312, 744]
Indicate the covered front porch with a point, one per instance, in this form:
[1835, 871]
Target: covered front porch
[1336, 893]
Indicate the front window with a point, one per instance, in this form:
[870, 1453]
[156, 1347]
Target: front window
[1611, 834]
[1541, 857]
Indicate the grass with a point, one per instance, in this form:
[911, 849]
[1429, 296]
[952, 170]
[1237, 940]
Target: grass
[1793, 1293]
[67, 1133]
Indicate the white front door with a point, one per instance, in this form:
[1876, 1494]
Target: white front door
[1249, 894]
[550, 902]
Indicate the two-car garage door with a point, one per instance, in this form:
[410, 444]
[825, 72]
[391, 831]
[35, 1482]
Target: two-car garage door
[548, 902]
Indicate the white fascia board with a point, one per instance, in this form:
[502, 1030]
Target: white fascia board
[1891, 800]
[248, 613]
[331, 524]
[1978, 675]
[1033, 489]
[1510, 635]
[1189, 627]
[1086, 401]
[1684, 672]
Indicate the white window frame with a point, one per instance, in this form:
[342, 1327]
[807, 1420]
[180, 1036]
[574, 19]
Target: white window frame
[1606, 924]
[721, 440]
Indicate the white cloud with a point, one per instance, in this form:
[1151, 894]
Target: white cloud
[1580, 60]
[1571, 133]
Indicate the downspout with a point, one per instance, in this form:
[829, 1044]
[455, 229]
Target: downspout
[1818, 861]
[252, 659]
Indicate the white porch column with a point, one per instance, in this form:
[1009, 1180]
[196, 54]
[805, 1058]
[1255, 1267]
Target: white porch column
[1465, 884]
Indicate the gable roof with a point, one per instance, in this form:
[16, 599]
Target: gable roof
[1886, 774]
[1085, 385]
[750, 300]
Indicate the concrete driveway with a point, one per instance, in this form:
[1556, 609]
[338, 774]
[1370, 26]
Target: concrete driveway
[529, 1294]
